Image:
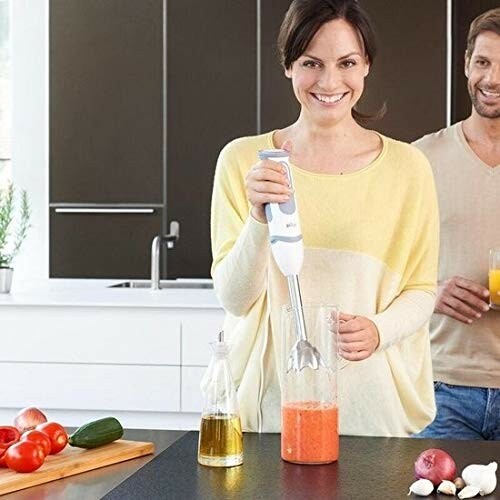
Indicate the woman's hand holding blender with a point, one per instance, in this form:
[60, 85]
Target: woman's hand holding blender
[267, 182]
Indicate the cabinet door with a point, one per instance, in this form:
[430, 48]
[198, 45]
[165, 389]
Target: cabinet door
[191, 395]
[198, 330]
[279, 107]
[211, 99]
[93, 387]
[106, 94]
[409, 72]
[102, 245]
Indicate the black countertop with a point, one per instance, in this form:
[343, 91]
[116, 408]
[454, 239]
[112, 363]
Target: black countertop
[94, 484]
[368, 468]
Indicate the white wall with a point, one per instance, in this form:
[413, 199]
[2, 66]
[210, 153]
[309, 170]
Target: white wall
[29, 31]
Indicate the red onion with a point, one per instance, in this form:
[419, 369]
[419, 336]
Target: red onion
[436, 466]
[28, 418]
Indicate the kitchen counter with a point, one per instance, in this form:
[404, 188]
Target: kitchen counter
[95, 484]
[96, 293]
[368, 468]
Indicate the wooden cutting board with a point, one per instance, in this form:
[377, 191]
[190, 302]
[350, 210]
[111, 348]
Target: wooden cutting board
[73, 461]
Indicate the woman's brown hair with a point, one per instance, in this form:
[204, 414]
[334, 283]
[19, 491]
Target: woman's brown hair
[304, 18]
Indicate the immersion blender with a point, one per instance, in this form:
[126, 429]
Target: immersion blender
[288, 250]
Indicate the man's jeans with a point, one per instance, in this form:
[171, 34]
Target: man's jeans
[464, 413]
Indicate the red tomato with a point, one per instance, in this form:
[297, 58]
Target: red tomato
[57, 435]
[38, 437]
[8, 436]
[24, 456]
[2, 459]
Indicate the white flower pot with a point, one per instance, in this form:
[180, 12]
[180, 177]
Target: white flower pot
[5, 279]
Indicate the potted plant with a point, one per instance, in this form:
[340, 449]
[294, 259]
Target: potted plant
[10, 242]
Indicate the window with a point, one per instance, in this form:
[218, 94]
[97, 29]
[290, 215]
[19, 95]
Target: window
[5, 94]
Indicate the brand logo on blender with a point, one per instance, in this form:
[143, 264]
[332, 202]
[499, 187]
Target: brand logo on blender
[291, 224]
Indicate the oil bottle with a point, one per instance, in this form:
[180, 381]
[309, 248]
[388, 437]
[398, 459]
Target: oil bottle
[221, 439]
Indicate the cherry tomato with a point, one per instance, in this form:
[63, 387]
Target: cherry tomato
[57, 435]
[2, 458]
[40, 438]
[8, 436]
[24, 456]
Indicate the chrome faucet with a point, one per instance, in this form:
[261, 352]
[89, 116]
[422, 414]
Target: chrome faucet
[170, 240]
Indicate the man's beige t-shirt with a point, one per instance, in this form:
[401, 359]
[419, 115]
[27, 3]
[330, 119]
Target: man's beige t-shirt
[469, 204]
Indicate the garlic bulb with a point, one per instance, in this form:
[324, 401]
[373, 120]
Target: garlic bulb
[422, 487]
[468, 492]
[482, 476]
[447, 488]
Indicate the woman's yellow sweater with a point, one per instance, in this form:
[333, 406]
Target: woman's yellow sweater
[371, 248]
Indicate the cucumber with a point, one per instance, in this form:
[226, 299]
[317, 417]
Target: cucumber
[97, 433]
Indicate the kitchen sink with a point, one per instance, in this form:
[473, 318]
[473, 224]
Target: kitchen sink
[165, 284]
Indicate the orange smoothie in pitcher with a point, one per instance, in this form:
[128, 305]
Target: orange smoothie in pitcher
[494, 276]
[309, 432]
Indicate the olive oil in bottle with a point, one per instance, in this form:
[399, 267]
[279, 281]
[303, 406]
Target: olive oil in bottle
[221, 440]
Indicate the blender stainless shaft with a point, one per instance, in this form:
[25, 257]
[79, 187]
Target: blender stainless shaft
[296, 303]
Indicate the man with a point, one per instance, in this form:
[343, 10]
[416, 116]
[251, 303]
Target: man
[465, 333]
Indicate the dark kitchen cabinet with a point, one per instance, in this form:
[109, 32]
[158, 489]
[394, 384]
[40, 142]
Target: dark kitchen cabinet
[104, 245]
[143, 97]
[106, 145]
[409, 72]
[211, 99]
[278, 105]
[106, 87]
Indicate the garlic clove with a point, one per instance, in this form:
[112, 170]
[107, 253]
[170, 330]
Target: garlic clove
[447, 488]
[468, 492]
[482, 476]
[472, 474]
[459, 483]
[489, 482]
[422, 488]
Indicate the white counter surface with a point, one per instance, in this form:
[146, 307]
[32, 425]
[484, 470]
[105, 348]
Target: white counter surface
[96, 293]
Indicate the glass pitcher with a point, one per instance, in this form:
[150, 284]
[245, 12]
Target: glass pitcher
[221, 439]
[309, 412]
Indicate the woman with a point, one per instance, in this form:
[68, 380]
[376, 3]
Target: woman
[368, 215]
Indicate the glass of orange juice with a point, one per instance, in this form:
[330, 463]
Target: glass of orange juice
[494, 278]
[309, 412]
